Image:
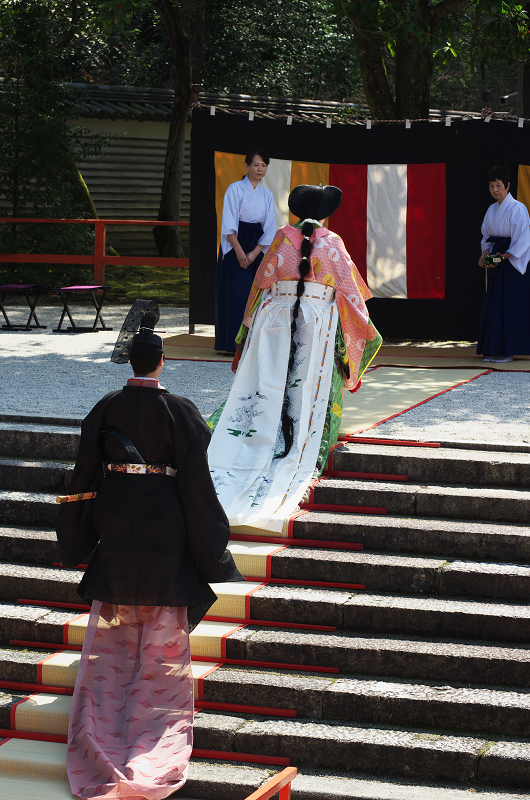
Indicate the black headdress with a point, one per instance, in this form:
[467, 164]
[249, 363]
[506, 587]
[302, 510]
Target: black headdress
[137, 328]
[314, 202]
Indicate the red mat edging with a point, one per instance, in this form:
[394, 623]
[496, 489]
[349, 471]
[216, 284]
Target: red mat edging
[363, 476]
[45, 646]
[33, 735]
[270, 624]
[224, 755]
[242, 709]
[241, 662]
[53, 604]
[35, 688]
[318, 543]
[319, 584]
[344, 509]
[352, 439]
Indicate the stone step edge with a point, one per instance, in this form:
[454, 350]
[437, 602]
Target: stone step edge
[212, 780]
[67, 422]
[409, 753]
[75, 422]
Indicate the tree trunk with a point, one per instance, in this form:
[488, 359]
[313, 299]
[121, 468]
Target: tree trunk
[374, 77]
[184, 23]
[413, 78]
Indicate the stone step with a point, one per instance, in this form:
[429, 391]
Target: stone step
[363, 700]
[34, 476]
[402, 573]
[414, 500]
[449, 538]
[224, 780]
[39, 440]
[343, 609]
[437, 465]
[435, 659]
[335, 745]
[33, 509]
[376, 571]
[28, 545]
[438, 617]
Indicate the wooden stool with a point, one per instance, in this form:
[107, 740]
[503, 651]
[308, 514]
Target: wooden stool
[66, 291]
[26, 289]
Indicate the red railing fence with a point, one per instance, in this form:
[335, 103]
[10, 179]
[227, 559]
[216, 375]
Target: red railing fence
[98, 258]
[280, 783]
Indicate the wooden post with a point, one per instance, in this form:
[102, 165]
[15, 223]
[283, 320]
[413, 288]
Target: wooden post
[99, 253]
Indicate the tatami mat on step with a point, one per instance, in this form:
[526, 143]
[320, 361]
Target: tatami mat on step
[249, 530]
[253, 558]
[208, 638]
[29, 759]
[74, 631]
[387, 391]
[59, 669]
[233, 599]
[44, 713]
[199, 670]
[12, 788]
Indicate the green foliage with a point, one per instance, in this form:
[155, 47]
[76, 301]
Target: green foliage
[464, 38]
[40, 145]
[282, 48]
[167, 286]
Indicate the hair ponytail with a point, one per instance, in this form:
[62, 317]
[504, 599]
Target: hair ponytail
[303, 268]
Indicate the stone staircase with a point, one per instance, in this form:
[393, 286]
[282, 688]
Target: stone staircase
[425, 691]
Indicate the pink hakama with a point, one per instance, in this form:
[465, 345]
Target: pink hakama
[131, 721]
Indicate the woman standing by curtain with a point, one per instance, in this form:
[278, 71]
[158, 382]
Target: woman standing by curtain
[247, 228]
[504, 320]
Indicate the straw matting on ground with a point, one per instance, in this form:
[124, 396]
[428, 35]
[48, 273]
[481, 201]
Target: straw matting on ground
[195, 347]
[192, 347]
[387, 391]
[442, 358]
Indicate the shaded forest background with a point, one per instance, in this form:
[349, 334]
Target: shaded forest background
[397, 58]
[282, 48]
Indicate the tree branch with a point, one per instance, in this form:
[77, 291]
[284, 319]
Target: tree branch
[446, 7]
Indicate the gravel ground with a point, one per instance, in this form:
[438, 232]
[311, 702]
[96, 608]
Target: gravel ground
[491, 408]
[62, 375]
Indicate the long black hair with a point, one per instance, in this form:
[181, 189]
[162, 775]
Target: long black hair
[303, 268]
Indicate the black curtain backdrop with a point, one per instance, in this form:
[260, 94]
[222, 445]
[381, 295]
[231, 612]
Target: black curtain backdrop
[469, 149]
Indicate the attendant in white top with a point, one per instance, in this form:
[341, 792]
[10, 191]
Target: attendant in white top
[247, 229]
[505, 317]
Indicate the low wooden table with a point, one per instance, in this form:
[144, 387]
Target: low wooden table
[26, 289]
[66, 292]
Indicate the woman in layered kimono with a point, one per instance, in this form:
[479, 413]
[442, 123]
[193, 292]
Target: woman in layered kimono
[247, 229]
[505, 317]
[306, 333]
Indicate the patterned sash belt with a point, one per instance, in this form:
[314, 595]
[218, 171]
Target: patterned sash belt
[314, 292]
[139, 469]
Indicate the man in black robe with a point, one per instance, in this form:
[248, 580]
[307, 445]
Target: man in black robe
[155, 534]
[158, 538]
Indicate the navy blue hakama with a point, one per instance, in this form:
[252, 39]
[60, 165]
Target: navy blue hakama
[504, 328]
[232, 287]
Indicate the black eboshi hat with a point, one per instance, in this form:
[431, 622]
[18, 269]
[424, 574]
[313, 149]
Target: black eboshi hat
[314, 202]
[137, 329]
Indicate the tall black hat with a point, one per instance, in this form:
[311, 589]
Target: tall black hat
[314, 202]
[138, 328]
